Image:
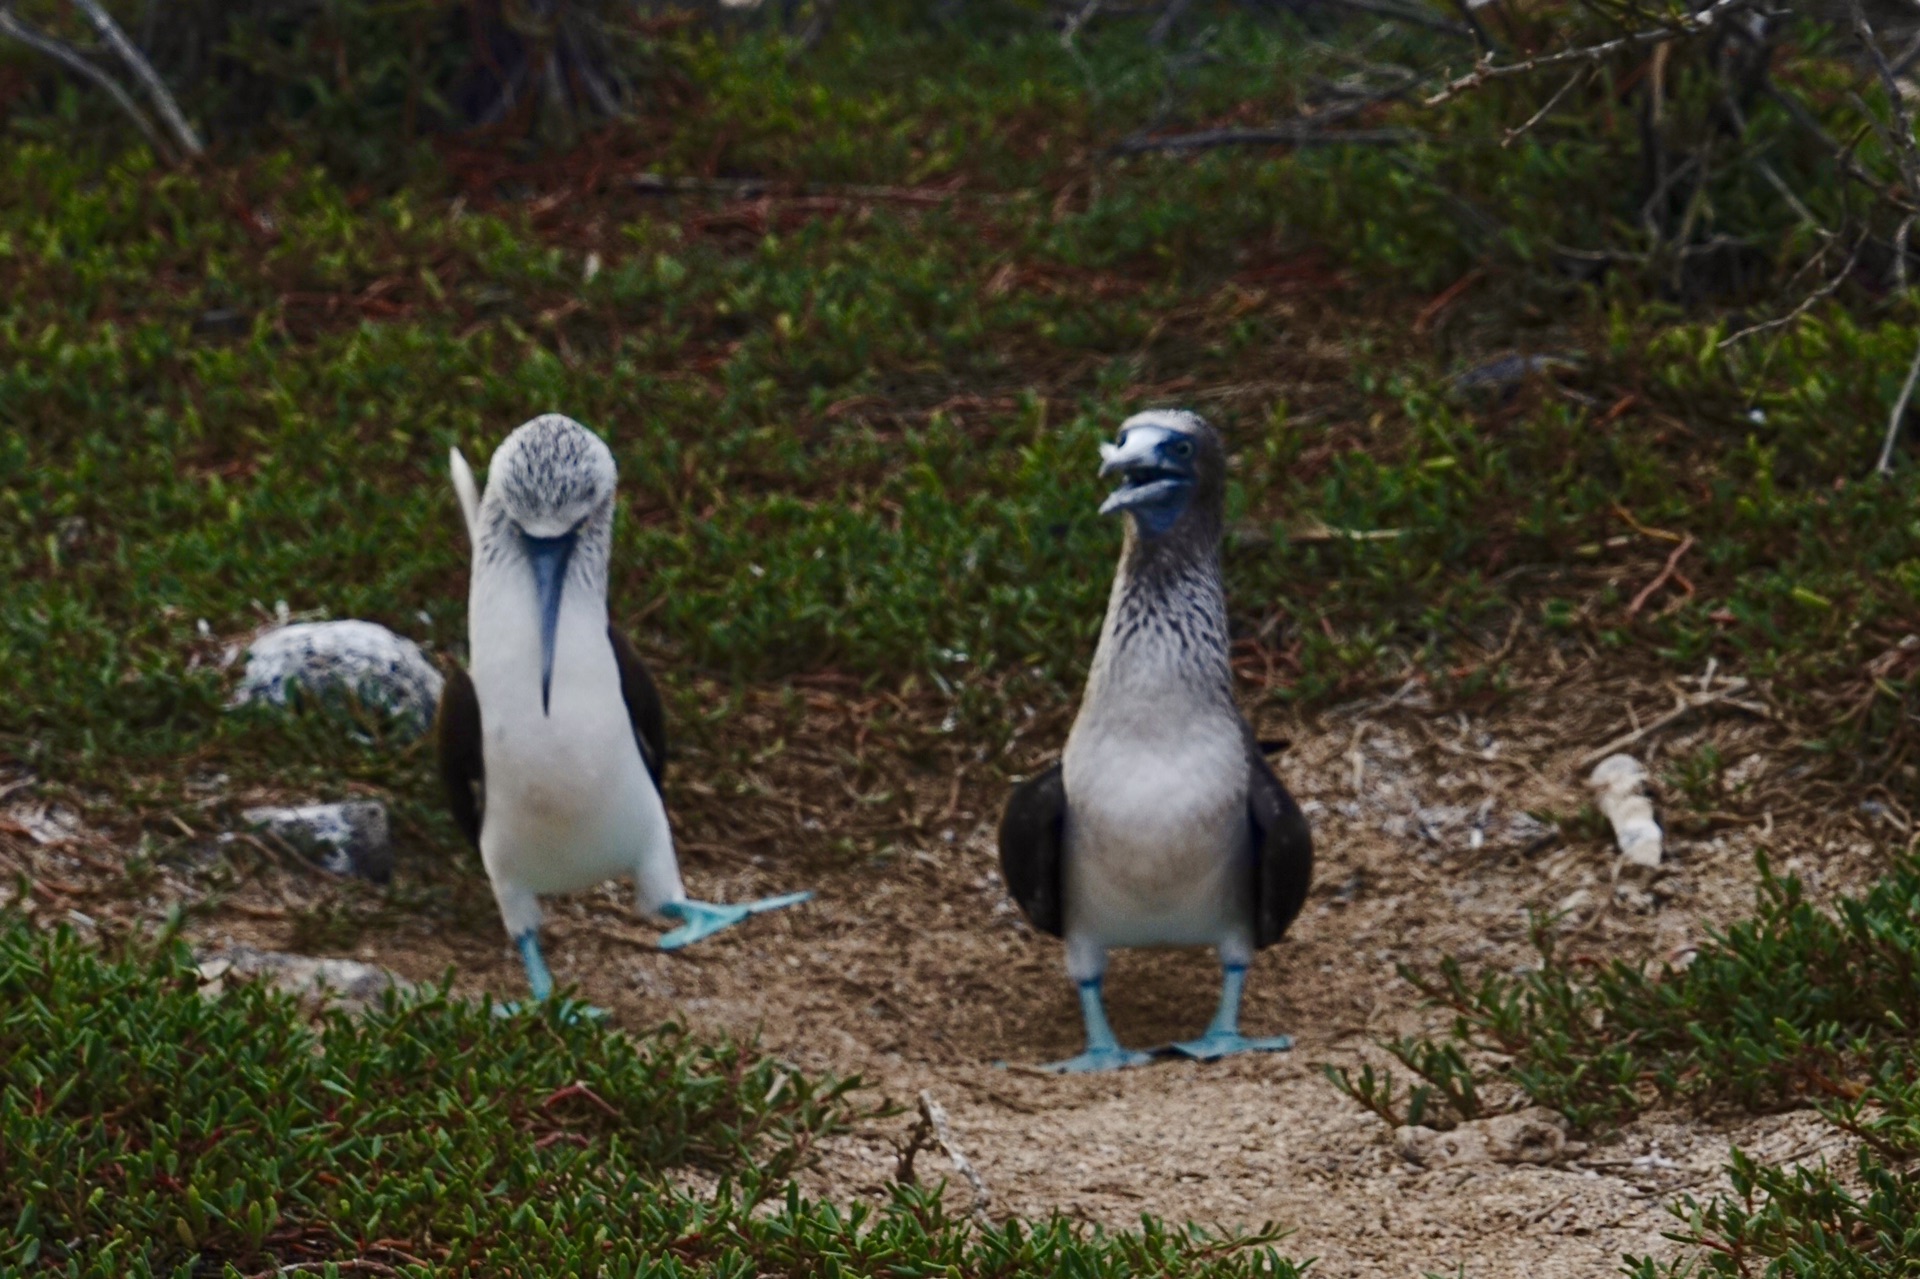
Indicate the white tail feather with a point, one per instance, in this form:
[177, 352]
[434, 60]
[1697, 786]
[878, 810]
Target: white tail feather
[468, 492]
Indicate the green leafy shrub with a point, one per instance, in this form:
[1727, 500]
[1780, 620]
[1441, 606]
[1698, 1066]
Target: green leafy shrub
[1780, 1010]
[1815, 1219]
[147, 1129]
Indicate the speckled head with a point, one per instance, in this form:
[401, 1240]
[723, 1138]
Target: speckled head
[549, 502]
[552, 476]
[1169, 462]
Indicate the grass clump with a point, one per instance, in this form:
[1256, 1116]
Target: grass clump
[1813, 1222]
[146, 1129]
[1792, 1005]
[1797, 1006]
[856, 433]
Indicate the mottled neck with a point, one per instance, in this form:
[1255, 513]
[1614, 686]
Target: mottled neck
[1166, 625]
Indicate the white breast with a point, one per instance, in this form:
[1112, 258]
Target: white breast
[569, 802]
[1156, 824]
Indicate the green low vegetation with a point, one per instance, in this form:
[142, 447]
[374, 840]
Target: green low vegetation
[1797, 1006]
[856, 432]
[853, 315]
[1781, 1008]
[148, 1129]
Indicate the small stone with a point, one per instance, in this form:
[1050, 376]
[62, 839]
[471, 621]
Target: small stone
[315, 982]
[1429, 1148]
[1506, 374]
[1580, 899]
[343, 839]
[1533, 1136]
[359, 659]
[1638, 900]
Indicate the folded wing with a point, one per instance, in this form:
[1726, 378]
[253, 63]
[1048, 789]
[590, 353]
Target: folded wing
[1032, 844]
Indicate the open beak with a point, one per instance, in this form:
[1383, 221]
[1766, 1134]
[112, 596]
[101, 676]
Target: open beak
[1145, 477]
[549, 557]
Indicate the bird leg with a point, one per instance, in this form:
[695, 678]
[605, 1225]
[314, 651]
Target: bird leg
[1223, 1037]
[539, 980]
[1103, 1051]
[540, 983]
[704, 919]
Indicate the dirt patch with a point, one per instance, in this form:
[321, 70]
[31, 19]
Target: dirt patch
[914, 971]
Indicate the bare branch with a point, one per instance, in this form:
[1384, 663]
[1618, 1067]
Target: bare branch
[1885, 465]
[1283, 135]
[1690, 25]
[1306, 130]
[1169, 18]
[1807, 303]
[1514, 135]
[67, 56]
[1904, 151]
[1841, 152]
[1077, 21]
[183, 134]
[1480, 36]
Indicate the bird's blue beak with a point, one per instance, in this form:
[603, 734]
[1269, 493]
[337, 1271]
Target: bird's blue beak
[1155, 466]
[549, 557]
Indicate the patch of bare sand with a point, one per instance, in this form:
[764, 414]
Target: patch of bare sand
[913, 971]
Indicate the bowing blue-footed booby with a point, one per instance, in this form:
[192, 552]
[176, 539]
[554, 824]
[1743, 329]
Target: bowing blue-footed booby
[553, 746]
[1162, 825]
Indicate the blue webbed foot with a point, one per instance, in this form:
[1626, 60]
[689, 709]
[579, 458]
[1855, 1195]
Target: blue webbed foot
[540, 984]
[704, 919]
[1094, 1060]
[570, 1011]
[1223, 1037]
[1103, 1051]
[1214, 1045]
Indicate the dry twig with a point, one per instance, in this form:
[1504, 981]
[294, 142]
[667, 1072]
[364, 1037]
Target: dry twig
[1807, 303]
[932, 1130]
[1284, 135]
[1667, 573]
[1687, 706]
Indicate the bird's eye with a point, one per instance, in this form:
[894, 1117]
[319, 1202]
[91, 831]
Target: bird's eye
[1182, 449]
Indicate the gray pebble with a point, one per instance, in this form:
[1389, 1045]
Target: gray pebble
[344, 839]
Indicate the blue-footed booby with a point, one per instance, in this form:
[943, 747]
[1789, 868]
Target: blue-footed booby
[552, 747]
[1162, 824]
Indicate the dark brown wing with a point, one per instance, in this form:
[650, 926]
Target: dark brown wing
[462, 767]
[1032, 846]
[1282, 851]
[642, 697]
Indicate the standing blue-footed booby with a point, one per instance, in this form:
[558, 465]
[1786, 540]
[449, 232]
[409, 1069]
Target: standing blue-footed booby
[1162, 825]
[552, 750]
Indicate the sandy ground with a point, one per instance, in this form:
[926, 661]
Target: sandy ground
[912, 970]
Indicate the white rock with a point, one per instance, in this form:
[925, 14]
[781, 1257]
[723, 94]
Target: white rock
[363, 659]
[345, 839]
[313, 981]
[1619, 789]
